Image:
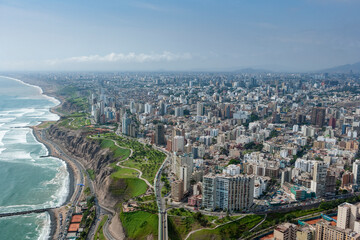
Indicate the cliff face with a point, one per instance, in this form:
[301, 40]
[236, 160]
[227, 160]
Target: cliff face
[70, 107]
[91, 155]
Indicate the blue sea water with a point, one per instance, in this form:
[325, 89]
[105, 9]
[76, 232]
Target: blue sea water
[27, 181]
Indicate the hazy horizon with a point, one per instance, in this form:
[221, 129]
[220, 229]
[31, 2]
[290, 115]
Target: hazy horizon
[293, 36]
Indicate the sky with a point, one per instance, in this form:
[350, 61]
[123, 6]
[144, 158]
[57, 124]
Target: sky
[173, 35]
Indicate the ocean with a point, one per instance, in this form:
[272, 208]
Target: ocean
[27, 180]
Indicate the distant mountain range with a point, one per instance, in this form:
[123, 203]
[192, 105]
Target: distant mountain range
[355, 68]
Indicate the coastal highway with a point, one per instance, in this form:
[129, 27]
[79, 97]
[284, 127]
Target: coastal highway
[78, 189]
[163, 224]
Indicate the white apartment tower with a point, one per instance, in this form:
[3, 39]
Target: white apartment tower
[228, 192]
[356, 171]
[319, 178]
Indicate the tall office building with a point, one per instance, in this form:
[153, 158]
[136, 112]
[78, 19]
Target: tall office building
[318, 116]
[228, 192]
[160, 134]
[356, 171]
[332, 123]
[126, 121]
[162, 108]
[275, 117]
[227, 111]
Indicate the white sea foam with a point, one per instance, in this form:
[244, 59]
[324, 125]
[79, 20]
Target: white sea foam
[2, 134]
[16, 136]
[43, 228]
[2, 149]
[36, 114]
[4, 113]
[61, 179]
[20, 207]
[19, 124]
[21, 112]
[7, 120]
[44, 150]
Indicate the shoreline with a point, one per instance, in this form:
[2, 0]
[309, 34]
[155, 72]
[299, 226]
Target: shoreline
[54, 218]
[73, 179]
[71, 168]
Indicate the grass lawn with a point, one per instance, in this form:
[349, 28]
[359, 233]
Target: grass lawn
[75, 121]
[126, 184]
[46, 124]
[145, 157]
[140, 224]
[226, 219]
[182, 221]
[232, 230]
[99, 232]
[122, 153]
[124, 173]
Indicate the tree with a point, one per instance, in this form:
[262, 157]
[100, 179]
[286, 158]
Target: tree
[253, 117]
[234, 161]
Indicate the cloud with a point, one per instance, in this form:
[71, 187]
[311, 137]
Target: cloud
[126, 58]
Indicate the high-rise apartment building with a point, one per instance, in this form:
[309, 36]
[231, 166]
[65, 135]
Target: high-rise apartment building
[356, 171]
[148, 108]
[177, 190]
[318, 183]
[325, 231]
[228, 192]
[347, 226]
[348, 215]
[318, 116]
[178, 144]
[200, 109]
[286, 231]
[179, 112]
[126, 121]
